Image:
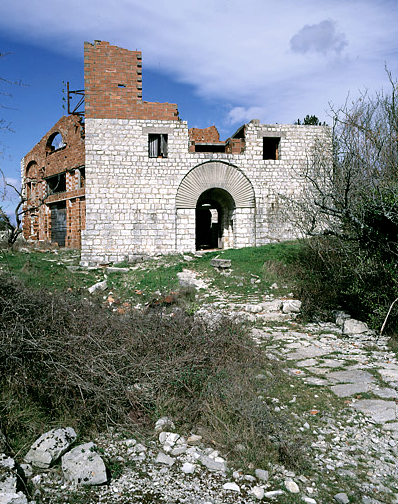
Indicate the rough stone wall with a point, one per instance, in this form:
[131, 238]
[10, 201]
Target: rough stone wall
[144, 174]
[131, 198]
[43, 162]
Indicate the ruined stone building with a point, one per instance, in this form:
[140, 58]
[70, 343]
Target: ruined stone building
[132, 178]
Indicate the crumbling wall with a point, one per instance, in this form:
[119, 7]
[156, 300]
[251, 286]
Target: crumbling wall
[113, 85]
[55, 164]
[209, 134]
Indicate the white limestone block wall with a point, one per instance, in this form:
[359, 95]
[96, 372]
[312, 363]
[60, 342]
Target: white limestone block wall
[131, 198]
[277, 180]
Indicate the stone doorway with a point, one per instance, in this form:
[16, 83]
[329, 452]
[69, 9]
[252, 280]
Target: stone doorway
[215, 208]
[214, 219]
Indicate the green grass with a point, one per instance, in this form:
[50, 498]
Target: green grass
[148, 281]
[48, 269]
[253, 270]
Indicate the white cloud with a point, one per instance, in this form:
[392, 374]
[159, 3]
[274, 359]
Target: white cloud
[322, 37]
[280, 60]
[240, 115]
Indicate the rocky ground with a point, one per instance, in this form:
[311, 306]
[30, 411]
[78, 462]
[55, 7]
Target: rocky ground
[355, 445]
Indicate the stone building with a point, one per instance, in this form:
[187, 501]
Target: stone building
[152, 184]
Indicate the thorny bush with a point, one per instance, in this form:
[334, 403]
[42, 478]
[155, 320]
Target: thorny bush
[75, 359]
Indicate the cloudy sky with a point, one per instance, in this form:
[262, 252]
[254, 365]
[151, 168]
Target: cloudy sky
[224, 62]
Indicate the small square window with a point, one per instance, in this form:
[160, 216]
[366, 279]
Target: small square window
[271, 147]
[157, 145]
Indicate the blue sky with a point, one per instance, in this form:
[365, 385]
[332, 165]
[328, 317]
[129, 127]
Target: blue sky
[224, 62]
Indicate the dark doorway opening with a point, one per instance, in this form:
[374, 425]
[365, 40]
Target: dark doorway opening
[58, 223]
[214, 211]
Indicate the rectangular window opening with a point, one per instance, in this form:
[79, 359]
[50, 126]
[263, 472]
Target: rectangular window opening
[271, 147]
[81, 173]
[202, 147]
[157, 145]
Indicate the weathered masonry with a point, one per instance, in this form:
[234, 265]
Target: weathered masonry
[53, 175]
[153, 185]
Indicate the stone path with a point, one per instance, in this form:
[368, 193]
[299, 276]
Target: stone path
[360, 442]
[361, 370]
[354, 446]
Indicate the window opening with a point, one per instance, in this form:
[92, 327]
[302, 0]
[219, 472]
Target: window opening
[81, 174]
[56, 184]
[55, 142]
[271, 148]
[157, 144]
[208, 147]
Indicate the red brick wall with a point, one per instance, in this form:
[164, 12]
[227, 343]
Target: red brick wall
[76, 221]
[113, 85]
[210, 135]
[42, 162]
[235, 145]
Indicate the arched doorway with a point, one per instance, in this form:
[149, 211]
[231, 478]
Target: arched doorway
[215, 208]
[213, 219]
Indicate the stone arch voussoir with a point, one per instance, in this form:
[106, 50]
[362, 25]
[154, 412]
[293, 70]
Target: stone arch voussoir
[215, 174]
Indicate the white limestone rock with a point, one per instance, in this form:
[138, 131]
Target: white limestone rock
[50, 446]
[8, 475]
[194, 440]
[261, 474]
[162, 458]
[188, 468]
[341, 498]
[212, 464]
[12, 498]
[273, 493]
[258, 492]
[271, 306]
[100, 286]
[84, 466]
[164, 423]
[341, 317]
[291, 486]
[232, 487]
[291, 306]
[352, 326]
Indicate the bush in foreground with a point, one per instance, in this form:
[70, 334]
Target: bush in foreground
[63, 359]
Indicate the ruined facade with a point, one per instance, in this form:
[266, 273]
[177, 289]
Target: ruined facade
[153, 185]
[53, 175]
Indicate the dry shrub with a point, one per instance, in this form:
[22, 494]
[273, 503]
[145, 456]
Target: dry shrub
[71, 358]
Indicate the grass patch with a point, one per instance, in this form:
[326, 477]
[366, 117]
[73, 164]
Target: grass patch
[253, 270]
[48, 269]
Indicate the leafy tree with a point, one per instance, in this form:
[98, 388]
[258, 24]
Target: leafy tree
[310, 121]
